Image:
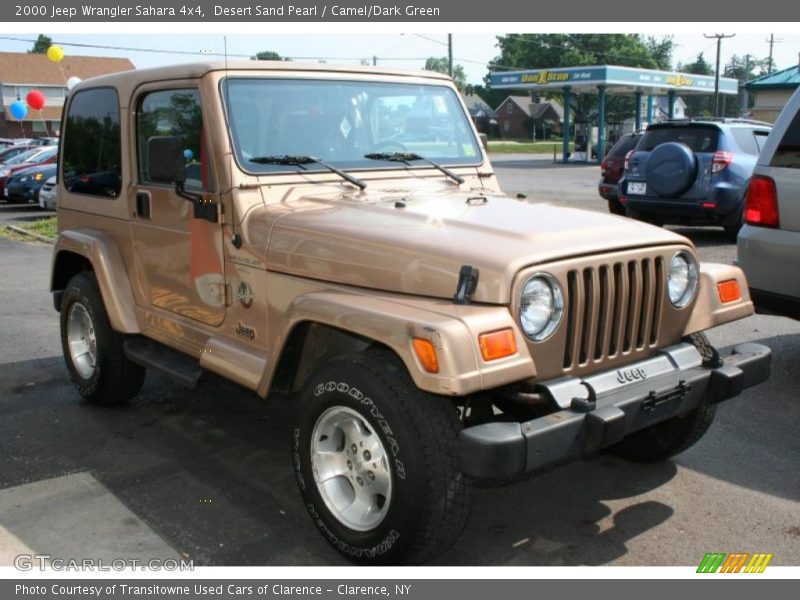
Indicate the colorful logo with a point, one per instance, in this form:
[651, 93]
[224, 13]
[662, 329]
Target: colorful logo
[735, 562]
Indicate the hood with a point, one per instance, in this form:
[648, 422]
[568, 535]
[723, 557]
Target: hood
[415, 241]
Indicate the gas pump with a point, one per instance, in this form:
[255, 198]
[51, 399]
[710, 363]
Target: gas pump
[583, 131]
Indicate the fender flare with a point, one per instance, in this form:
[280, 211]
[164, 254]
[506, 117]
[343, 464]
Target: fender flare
[102, 253]
[394, 322]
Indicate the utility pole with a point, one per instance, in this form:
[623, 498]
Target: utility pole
[745, 78]
[720, 37]
[450, 54]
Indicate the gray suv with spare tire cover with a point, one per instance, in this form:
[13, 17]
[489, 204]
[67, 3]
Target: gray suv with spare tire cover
[688, 172]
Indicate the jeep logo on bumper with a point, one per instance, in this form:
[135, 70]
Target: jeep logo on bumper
[631, 375]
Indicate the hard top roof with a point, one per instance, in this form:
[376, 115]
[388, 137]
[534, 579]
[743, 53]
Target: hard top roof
[131, 79]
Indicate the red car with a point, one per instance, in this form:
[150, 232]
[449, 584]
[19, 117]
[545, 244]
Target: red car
[40, 156]
[611, 170]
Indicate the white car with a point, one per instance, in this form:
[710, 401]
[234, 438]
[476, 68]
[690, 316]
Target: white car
[48, 194]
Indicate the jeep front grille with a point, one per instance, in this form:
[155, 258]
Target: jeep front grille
[613, 309]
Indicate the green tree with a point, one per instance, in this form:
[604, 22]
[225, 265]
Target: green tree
[699, 105]
[268, 55]
[661, 50]
[743, 69]
[41, 45]
[441, 65]
[549, 51]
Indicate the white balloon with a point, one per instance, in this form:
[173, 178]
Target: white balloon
[72, 82]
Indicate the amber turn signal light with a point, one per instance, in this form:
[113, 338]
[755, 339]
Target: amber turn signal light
[728, 291]
[426, 354]
[497, 344]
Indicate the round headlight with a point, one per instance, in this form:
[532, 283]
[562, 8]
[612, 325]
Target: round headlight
[682, 280]
[541, 306]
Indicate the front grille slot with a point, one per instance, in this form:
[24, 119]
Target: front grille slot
[613, 309]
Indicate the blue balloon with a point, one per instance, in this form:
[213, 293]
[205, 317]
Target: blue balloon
[188, 154]
[18, 110]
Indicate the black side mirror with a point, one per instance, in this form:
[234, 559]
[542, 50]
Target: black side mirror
[166, 163]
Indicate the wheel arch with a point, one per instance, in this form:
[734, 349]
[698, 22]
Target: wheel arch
[350, 321]
[308, 345]
[81, 251]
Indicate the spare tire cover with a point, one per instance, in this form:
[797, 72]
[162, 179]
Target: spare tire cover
[671, 169]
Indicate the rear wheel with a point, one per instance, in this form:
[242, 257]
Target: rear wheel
[92, 349]
[376, 461]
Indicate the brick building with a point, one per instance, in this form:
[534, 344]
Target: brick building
[517, 115]
[20, 73]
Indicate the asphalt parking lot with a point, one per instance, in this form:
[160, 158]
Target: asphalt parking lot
[207, 475]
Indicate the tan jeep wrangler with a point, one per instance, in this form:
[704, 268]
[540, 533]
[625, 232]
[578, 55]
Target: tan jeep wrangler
[336, 236]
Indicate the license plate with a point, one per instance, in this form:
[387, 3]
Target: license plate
[637, 188]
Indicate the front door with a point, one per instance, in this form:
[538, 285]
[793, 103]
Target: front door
[178, 257]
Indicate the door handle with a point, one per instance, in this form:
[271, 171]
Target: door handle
[143, 205]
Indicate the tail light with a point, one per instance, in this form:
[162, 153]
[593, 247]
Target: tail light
[604, 166]
[761, 202]
[628, 159]
[720, 161]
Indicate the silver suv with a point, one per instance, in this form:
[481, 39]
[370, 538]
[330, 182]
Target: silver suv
[769, 242]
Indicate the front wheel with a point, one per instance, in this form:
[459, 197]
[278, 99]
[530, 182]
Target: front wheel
[92, 349]
[376, 461]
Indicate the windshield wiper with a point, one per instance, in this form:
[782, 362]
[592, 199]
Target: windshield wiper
[407, 157]
[301, 161]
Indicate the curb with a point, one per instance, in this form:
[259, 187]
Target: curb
[36, 236]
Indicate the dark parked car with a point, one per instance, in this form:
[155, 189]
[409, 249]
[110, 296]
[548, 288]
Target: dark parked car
[691, 172]
[611, 170]
[38, 156]
[24, 185]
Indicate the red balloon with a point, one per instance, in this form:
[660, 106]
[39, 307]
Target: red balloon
[35, 100]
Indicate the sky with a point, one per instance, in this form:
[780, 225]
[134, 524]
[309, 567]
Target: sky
[406, 51]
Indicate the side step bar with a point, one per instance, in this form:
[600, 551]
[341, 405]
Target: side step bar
[152, 355]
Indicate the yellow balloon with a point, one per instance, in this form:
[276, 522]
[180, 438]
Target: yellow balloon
[55, 53]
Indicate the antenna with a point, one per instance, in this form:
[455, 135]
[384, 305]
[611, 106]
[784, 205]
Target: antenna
[236, 239]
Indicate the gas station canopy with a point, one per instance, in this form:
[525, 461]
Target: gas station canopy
[608, 79]
[616, 80]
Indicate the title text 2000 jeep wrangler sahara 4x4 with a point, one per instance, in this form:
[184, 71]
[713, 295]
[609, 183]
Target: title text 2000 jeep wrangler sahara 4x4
[338, 236]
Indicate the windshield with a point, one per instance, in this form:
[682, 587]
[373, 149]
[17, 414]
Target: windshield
[341, 121]
[23, 156]
[41, 155]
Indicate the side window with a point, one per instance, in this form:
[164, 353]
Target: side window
[174, 113]
[91, 144]
[788, 152]
[745, 137]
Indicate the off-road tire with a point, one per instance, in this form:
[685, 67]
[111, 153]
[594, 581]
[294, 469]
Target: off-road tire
[115, 379]
[430, 499]
[678, 434]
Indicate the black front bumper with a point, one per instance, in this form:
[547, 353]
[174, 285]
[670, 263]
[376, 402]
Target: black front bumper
[502, 450]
